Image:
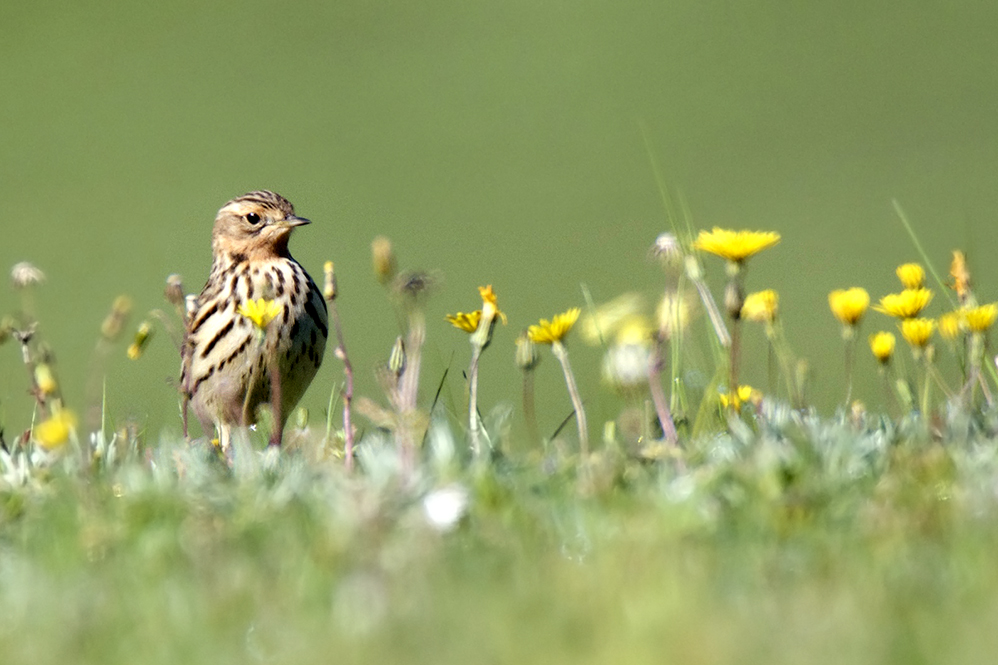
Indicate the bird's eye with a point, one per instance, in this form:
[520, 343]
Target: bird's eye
[253, 218]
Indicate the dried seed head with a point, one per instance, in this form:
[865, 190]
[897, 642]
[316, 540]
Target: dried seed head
[414, 283]
[25, 274]
[667, 248]
[115, 320]
[174, 292]
[329, 284]
[961, 276]
[383, 259]
[625, 366]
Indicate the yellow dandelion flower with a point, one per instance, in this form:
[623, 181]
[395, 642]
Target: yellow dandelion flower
[905, 305]
[45, 379]
[743, 394]
[466, 322]
[882, 344]
[55, 431]
[489, 307]
[912, 275]
[549, 332]
[735, 245]
[634, 330]
[849, 305]
[261, 311]
[917, 331]
[761, 306]
[981, 318]
[950, 324]
[600, 323]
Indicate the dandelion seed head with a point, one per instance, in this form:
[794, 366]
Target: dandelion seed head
[25, 274]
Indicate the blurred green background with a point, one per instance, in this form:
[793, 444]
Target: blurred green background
[504, 143]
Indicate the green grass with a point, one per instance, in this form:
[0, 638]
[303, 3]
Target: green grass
[793, 538]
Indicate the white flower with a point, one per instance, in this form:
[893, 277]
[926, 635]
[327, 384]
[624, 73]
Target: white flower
[445, 507]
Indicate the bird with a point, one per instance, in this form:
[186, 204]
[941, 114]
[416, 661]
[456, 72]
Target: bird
[227, 356]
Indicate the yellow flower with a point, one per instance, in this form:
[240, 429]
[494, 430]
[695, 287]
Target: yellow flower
[882, 345]
[549, 332]
[261, 311]
[761, 306]
[469, 322]
[849, 305]
[138, 345]
[466, 322]
[489, 307]
[981, 318]
[45, 379]
[744, 394]
[917, 331]
[905, 305]
[634, 330]
[600, 323]
[960, 274]
[383, 259]
[735, 245]
[912, 275]
[55, 431]
[950, 324]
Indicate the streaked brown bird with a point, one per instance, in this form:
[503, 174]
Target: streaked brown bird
[225, 359]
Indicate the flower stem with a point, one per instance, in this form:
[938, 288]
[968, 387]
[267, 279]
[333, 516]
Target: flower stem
[658, 395]
[561, 353]
[849, 354]
[926, 386]
[736, 339]
[529, 413]
[474, 425]
[341, 353]
[409, 389]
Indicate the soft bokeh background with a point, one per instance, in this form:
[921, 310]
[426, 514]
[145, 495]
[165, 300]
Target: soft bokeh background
[505, 143]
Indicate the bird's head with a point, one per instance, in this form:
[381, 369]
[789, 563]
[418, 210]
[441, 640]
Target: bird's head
[257, 224]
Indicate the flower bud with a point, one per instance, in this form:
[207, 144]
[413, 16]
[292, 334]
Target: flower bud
[383, 259]
[329, 284]
[115, 320]
[174, 291]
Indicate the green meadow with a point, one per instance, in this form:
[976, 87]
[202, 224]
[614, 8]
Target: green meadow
[836, 508]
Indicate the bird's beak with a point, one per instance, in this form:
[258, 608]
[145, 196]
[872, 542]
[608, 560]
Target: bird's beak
[292, 222]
